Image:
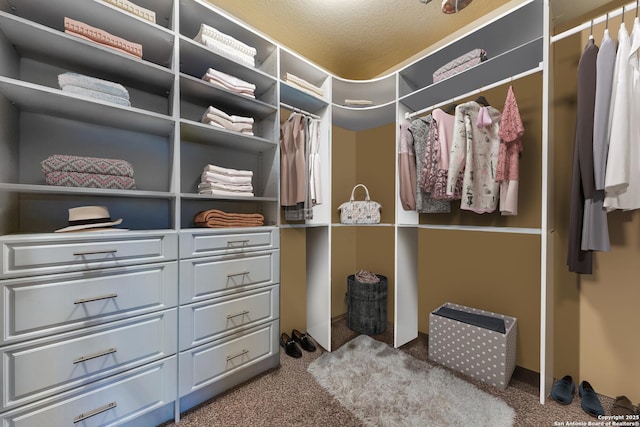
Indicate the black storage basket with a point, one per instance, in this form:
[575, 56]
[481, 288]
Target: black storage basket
[367, 305]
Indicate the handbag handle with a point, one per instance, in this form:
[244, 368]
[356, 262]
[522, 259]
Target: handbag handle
[367, 198]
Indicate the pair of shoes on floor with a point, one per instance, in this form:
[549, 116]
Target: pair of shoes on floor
[563, 390]
[290, 344]
[623, 406]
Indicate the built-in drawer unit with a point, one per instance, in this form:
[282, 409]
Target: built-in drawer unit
[203, 278]
[204, 365]
[58, 253]
[212, 319]
[43, 367]
[110, 401]
[207, 242]
[38, 306]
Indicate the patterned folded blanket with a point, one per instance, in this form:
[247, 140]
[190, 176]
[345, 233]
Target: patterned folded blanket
[100, 36]
[461, 63]
[89, 180]
[65, 163]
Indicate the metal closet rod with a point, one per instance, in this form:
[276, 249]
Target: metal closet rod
[476, 91]
[298, 110]
[603, 18]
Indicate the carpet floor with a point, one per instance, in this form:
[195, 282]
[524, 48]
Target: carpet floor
[289, 396]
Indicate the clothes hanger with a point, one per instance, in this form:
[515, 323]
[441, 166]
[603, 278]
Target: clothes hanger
[482, 100]
[451, 108]
[591, 31]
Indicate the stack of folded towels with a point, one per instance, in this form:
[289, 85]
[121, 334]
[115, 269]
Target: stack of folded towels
[93, 172]
[213, 116]
[304, 85]
[103, 90]
[225, 45]
[133, 8]
[224, 182]
[214, 218]
[96, 35]
[230, 83]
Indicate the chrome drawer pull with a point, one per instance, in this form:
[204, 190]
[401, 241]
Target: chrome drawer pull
[83, 300]
[231, 316]
[244, 273]
[238, 242]
[94, 355]
[242, 353]
[106, 251]
[93, 412]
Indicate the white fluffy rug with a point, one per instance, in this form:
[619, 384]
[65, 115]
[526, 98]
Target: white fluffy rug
[384, 386]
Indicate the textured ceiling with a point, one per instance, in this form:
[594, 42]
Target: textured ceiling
[360, 39]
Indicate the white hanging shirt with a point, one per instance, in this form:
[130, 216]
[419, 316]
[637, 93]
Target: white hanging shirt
[622, 179]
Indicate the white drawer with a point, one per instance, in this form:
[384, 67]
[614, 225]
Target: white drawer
[203, 278]
[110, 401]
[44, 367]
[69, 301]
[212, 319]
[204, 365]
[207, 242]
[55, 253]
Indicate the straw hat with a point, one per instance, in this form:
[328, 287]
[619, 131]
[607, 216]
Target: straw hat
[89, 217]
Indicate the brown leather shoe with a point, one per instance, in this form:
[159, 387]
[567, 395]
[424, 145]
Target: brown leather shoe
[622, 406]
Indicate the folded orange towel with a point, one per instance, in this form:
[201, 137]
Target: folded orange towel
[214, 218]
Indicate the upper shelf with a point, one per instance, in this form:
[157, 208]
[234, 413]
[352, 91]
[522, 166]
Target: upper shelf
[504, 34]
[516, 61]
[193, 13]
[156, 41]
[33, 40]
[55, 102]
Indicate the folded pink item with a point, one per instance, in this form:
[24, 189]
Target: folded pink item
[65, 163]
[460, 64]
[89, 180]
[100, 36]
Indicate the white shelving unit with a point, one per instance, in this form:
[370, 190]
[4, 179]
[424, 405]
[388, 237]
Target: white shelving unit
[162, 136]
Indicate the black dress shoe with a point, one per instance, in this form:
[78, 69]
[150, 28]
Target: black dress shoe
[304, 340]
[290, 346]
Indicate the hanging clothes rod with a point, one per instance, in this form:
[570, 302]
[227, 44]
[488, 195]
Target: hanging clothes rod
[589, 24]
[476, 91]
[298, 110]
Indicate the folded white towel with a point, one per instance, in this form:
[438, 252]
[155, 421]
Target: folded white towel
[303, 84]
[96, 95]
[224, 179]
[235, 127]
[208, 31]
[226, 187]
[92, 83]
[227, 52]
[217, 82]
[227, 171]
[223, 193]
[231, 80]
[241, 119]
[213, 110]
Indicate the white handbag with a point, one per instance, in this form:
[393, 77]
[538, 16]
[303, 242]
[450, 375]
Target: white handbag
[360, 211]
